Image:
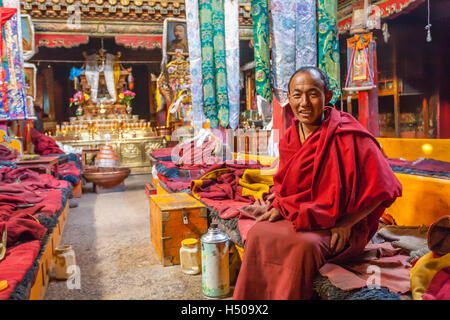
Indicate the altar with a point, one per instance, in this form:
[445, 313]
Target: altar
[104, 114]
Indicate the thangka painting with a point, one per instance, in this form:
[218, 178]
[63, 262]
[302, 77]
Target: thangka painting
[360, 74]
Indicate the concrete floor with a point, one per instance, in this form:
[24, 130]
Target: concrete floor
[110, 234]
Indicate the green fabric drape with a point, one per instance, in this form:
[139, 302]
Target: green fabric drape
[328, 44]
[260, 18]
[208, 68]
[214, 68]
[218, 21]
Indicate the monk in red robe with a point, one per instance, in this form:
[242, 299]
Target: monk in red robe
[332, 185]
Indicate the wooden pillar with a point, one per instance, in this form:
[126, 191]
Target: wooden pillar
[396, 96]
[363, 108]
[426, 121]
[374, 123]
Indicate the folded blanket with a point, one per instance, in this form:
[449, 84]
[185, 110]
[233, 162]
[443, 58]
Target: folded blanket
[31, 179]
[409, 238]
[7, 153]
[21, 226]
[70, 172]
[380, 264]
[422, 164]
[44, 145]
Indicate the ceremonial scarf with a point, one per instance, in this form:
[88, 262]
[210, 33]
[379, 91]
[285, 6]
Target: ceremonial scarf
[260, 19]
[195, 61]
[338, 170]
[232, 59]
[329, 44]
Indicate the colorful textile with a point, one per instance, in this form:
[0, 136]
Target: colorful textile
[15, 105]
[293, 41]
[208, 67]
[195, 61]
[232, 59]
[423, 272]
[218, 22]
[260, 19]
[324, 178]
[328, 44]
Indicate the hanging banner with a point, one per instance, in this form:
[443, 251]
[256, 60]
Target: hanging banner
[305, 35]
[195, 61]
[208, 67]
[293, 22]
[260, 18]
[15, 107]
[283, 48]
[218, 21]
[328, 44]
[232, 54]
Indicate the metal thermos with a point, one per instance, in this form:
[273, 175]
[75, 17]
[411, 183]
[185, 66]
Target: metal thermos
[215, 263]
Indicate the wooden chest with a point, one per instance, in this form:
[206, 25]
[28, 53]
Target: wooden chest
[174, 217]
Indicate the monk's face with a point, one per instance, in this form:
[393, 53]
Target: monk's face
[307, 97]
[179, 32]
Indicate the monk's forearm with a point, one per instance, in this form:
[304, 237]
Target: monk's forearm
[352, 219]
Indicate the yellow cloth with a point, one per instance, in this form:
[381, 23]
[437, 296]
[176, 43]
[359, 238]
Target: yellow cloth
[116, 71]
[158, 100]
[257, 182]
[424, 271]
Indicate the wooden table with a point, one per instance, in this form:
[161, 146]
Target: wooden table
[43, 163]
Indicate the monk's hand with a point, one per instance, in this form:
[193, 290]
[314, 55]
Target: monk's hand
[271, 215]
[340, 235]
[257, 208]
[270, 198]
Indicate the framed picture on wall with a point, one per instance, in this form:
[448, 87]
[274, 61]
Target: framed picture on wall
[30, 80]
[174, 39]
[28, 44]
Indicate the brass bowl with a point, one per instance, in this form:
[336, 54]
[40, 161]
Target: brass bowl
[105, 177]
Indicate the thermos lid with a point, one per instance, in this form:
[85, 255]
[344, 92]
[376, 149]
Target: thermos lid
[214, 235]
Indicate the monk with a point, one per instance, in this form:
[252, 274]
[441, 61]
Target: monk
[332, 185]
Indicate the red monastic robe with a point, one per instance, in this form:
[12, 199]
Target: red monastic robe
[338, 170]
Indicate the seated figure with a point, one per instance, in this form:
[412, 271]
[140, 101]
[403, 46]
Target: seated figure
[332, 185]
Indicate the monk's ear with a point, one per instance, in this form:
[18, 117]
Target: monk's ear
[328, 96]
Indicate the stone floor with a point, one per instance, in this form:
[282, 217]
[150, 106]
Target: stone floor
[110, 234]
